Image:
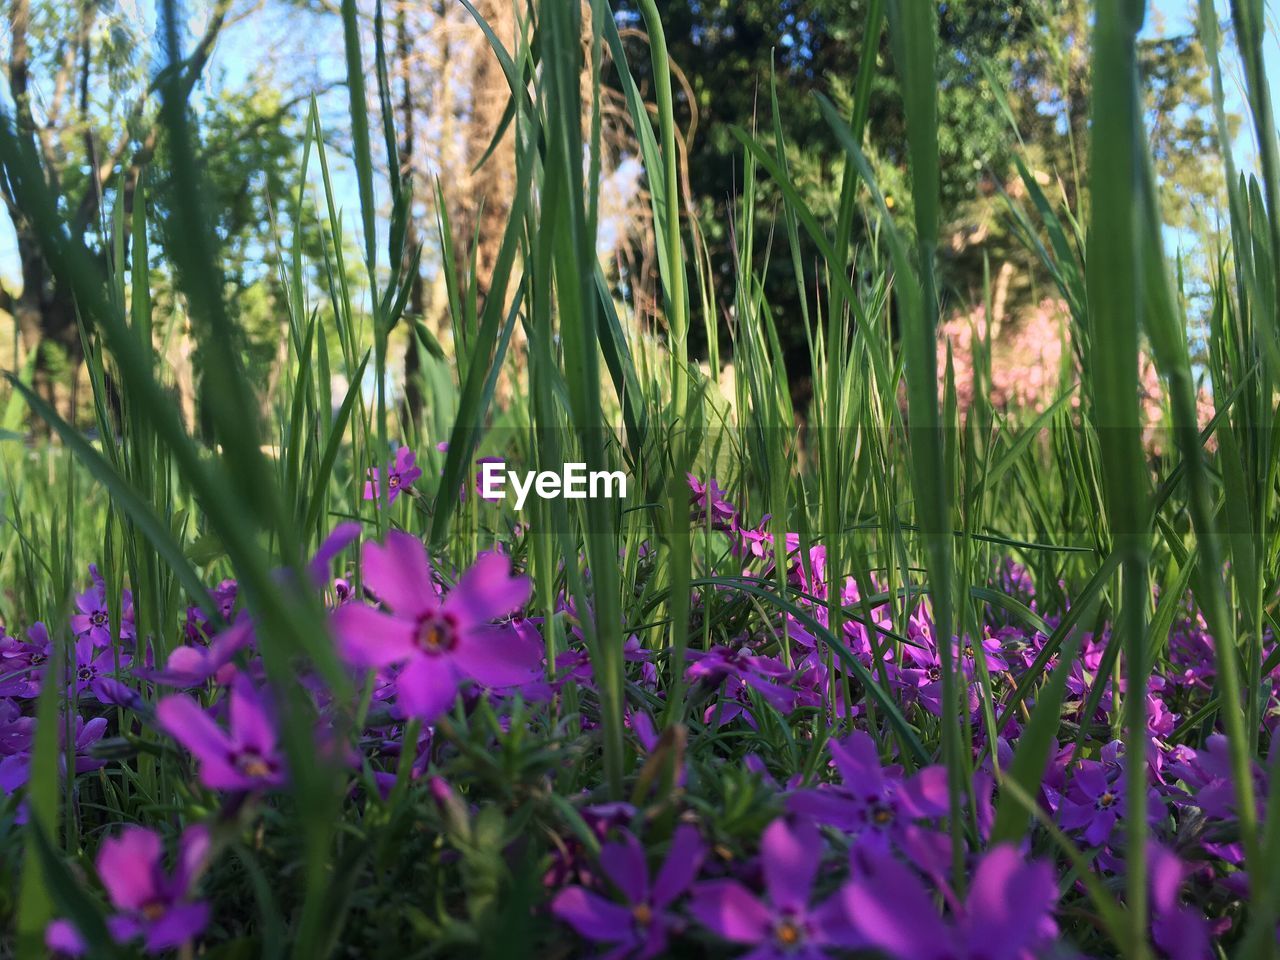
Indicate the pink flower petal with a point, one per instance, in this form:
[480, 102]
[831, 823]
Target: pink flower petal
[399, 573]
[427, 688]
[370, 639]
[184, 720]
[128, 866]
[487, 590]
[497, 656]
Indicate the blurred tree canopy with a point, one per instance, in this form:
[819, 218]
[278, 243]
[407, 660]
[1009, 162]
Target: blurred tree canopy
[84, 85]
[1037, 52]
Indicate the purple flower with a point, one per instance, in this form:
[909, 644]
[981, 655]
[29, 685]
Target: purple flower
[22, 662]
[710, 500]
[17, 736]
[321, 566]
[718, 663]
[151, 904]
[401, 473]
[638, 926]
[441, 641]
[741, 672]
[1095, 801]
[224, 598]
[113, 693]
[192, 665]
[782, 924]
[1181, 932]
[873, 802]
[736, 701]
[244, 758]
[94, 619]
[1208, 778]
[93, 663]
[1005, 915]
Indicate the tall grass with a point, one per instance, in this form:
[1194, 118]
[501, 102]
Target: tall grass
[908, 501]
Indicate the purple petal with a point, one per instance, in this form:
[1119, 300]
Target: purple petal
[497, 656]
[62, 939]
[892, 910]
[91, 733]
[14, 771]
[1091, 779]
[1007, 902]
[727, 909]
[184, 720]
[370, 639]
[1166, 876]
[128, 866]
[180, 924]
[1182, 933]
[113, 693]
[1098, 830]
[427, 688]
[251, 722]
[186, 667]
[858, 762]
[321, 564]
[193, 851]
[624, 864]
[683, 862]
[231, 641]
[791, 853]
[399, 573]
[830, 924]
[487, 590]
[1073, 816]
[124, 927]
[925, 794]
[593, 916]
[642, 726]
[833, 807]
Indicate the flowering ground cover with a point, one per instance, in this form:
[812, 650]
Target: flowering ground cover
[908, 674]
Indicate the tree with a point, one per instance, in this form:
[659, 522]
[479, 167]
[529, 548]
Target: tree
[451, 98]
[1035, 51]
[88, 99]
[86, 102]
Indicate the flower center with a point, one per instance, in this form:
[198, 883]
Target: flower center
[393, 481]
[153, 909]
[252, 764]
[643, 914]
[881, 815]
[1107, 800]
[98, 618]
[437, 633]
[86, 673]
[934, 673]
[787, 933]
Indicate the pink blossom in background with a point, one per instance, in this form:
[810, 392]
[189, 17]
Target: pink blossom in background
[1027, 361]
